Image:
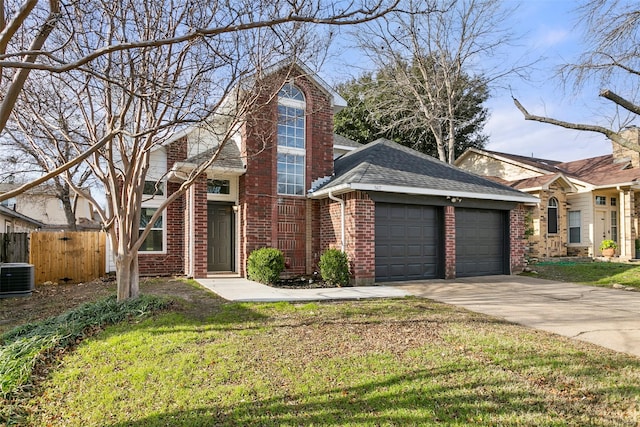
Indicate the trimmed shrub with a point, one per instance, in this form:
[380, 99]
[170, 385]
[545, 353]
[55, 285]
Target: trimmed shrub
[265, 265]
[334, 267]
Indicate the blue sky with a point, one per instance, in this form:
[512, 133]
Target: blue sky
[548, 31]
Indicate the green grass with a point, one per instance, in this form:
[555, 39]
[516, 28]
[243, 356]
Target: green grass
[22, 348]
[358, 363]
[591, 273]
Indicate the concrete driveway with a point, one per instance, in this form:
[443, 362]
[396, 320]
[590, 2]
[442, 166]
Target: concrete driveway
[607, 317]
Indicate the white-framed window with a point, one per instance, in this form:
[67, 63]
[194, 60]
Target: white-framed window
[552, 216]
[614, 226]
[155, 242]
[153, 188]
[614, 201]
[218, 186]
[574, 226]
[601, 201]
[291, 141]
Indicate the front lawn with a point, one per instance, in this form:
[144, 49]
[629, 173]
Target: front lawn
[592, 273]
[373, 362]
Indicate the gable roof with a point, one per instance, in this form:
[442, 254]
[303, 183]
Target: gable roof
[390, 167]
[17, 215]
[597, 171]
[342, 141]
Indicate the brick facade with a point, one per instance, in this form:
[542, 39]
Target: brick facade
[172, 261]
[449, 242]
[518, 242]
[282, 221]
[360, 218]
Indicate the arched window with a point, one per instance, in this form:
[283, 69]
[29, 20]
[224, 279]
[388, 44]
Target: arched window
[291, 141]
[552, 216]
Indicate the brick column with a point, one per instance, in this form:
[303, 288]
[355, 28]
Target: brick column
[449, 242]
[517, 239]
[200, 227]
[626, 230]
[360, 237]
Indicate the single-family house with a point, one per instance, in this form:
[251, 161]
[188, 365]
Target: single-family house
[12, 221]
[42, 204]
[286, 181]
[582, 202]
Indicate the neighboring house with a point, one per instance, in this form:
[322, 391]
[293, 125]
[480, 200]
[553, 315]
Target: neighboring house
[397, 213]
[41, 204]
[15, 222]
[582, 202]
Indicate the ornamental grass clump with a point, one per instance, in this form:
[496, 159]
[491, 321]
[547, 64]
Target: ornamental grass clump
[22, 347]
[334, 267]
[265, 265]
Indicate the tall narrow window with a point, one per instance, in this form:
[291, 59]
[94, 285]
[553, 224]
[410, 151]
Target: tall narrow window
[154, 242]
[574, 227]
[291, 141]
[614, 226]
[552, 216]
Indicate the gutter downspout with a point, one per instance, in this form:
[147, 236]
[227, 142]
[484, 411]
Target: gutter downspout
[342, 219]
[192, 232]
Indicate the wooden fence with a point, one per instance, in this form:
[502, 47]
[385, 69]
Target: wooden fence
[68, 256]
[14, 247]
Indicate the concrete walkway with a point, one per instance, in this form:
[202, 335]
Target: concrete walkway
[606, 317]
[239, 289]
[603, 316]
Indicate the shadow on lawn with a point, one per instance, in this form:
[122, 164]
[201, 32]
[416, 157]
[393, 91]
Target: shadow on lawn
[426, 399]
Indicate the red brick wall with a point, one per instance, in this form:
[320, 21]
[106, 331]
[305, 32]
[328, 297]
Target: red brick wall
[449, 242]
[269, 219]
[518, 242]
[359, 233]
[171, 262]
[201, 227]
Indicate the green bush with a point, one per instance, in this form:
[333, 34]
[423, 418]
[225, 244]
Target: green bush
[265, 265]
[334, 267]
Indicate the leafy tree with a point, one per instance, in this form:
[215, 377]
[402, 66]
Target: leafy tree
[378, 107]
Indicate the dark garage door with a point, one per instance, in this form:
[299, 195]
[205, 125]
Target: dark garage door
[408, 242]
[481, 247]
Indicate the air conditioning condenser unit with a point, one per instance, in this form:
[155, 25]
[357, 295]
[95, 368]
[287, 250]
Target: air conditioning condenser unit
[16, 279]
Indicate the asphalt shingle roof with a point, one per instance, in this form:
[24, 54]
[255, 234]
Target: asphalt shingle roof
[387, 163]
[341, 140]
[600, 170]
[229, 157]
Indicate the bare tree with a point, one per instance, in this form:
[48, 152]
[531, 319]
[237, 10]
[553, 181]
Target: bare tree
[132, 98]
[612, 59]
[26, 39]
[35, 144]
[433, 57]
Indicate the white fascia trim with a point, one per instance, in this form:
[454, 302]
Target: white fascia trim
[344, 147]
[631, 184]
[525, 198]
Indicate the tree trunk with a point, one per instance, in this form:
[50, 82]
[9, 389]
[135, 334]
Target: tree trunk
[127, 275]
[69, 212]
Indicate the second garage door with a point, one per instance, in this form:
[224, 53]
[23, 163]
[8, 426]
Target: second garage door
[481, 245]
[408, 242]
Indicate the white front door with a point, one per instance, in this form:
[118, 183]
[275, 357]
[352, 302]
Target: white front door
[601, 230]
